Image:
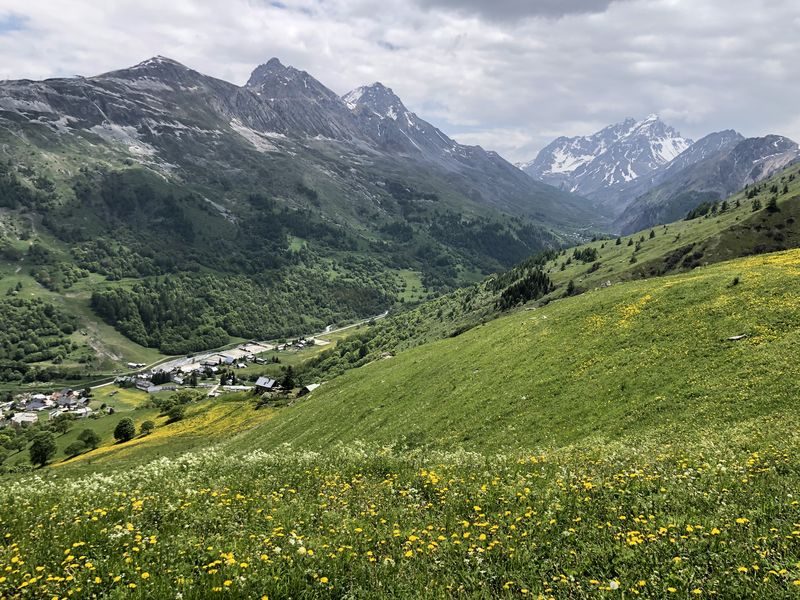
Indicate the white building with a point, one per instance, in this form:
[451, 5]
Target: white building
[21, 419]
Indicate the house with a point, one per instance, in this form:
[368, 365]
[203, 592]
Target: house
[38, 402]
[82, 413]
[54, 414]
[143, 384]
[167, 387]
[307, 389]
[67, 401]
[23, 419]
[265, 384]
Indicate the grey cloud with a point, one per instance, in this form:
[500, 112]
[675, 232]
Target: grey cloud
[515, 9]
[510, 85]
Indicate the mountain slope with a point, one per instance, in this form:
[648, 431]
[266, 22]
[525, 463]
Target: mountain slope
[712, 178]
[704, 148]
[538, 391]
[480, 173]
[531, 455]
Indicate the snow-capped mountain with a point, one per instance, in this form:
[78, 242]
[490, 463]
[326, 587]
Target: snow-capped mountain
[592, 165]
[709, 145]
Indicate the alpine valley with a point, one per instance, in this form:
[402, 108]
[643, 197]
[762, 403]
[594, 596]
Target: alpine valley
[266, 341]
[266, 210]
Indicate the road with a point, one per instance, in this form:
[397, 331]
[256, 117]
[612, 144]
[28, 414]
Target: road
[172, 362]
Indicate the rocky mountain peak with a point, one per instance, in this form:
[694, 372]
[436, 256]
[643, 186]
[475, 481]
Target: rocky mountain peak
[378, 98]
[158, 67]
[617, 154]
[273, 79]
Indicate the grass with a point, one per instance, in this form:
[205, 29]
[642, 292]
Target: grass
[629, 360]
[710, 519]
[206, 422]
[413, 290]
[126, 403]
[607, 445]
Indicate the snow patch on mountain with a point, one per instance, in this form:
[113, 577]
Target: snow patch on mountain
[124, 135]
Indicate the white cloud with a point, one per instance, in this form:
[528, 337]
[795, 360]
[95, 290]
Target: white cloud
[511, 80]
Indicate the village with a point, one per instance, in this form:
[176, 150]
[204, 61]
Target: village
[214, 372]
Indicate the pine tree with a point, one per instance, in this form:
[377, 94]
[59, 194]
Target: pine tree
[772, 205]
[287, 382]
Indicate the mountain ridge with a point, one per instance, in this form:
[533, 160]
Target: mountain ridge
[137, 106]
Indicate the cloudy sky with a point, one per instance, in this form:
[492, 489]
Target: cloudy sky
[510, 75]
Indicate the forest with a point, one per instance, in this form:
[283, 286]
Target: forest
[192, 276]
[32, 330]
[185, 313]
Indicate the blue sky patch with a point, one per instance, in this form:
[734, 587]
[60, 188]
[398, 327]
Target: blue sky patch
[10, 22]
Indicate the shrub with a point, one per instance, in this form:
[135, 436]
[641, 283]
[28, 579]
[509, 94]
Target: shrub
[43, 449]
[74, 449]
[176, 413]
[90, 438]
[125, 430]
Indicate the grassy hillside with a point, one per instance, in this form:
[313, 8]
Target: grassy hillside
[627, 361]
[614, 443]
[625, 441]
[740, 227]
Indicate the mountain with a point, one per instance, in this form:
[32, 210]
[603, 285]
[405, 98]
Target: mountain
[722, 165]
[306, 107]
[383, 117]
[273, 208]
[174, 119]
[594, 165]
